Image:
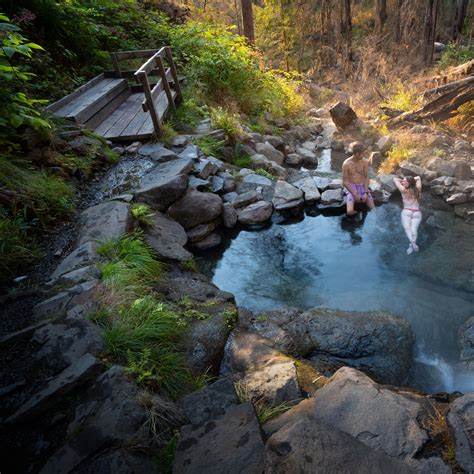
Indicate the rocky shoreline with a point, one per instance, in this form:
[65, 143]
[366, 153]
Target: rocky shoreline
[75, 411]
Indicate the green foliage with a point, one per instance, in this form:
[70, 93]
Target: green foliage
[265, 173]
[190, 111]
[456, 54]
[266, 413]
[190, 264]
[395, 156]
[16, 246]
[405, 98]
[209, 145]
[167, 133]
[228, 122]
[142, 213]
[18, 110]
[230, 316]
[166, 455]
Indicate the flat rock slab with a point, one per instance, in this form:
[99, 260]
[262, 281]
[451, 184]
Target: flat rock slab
[157, 152]
[109, 220]
[256, 213]
[461, 418]
[79, 257]
[212, 240]
[167, 238]
[241, 200]
[211, 402]
[232, 444]
[309, 188]
[380, 418]
[266, 373]
[286, 196]
[165, 183]
[195, 208]
[76, 374]
[306, 445]
[332, 196]
[270, 152]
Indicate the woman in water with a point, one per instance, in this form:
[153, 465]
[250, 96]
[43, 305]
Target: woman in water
[410, 189]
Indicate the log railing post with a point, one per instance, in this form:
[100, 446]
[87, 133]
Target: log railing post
[169, 57]
[143, 77]
[166, 85]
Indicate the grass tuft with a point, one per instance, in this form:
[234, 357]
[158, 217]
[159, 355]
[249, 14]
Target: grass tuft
[210, 146]
[395, 156]
[228, 122]
[143, 214]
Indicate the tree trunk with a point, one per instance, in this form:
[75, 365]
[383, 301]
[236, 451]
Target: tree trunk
[460, 9]
[431, 12]
[346, 31]
[380, 15]
[247, 20]
[398, 20]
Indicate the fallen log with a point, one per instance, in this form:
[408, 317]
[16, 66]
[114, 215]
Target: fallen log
[442, 107]
[447, 87]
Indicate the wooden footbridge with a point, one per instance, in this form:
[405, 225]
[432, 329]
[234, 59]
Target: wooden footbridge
[118, 110]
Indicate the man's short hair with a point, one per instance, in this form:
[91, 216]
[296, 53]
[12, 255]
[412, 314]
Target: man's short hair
[358, 147]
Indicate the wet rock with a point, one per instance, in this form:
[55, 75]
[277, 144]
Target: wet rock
[376, 342]
[78, 276]
[108, 220]
[457, 198]
[309, 157]
[69, 379]
[253, 181]
[229, 181]
[61, 302]
[191, 152]
[384, 420]
[332, 196]
[462, 171]
[384, 144]
[270, 152]
[157, 152]
[256, 213]
[309, 188]
[164, 184]
[231, 444]
[266, 374]
[200, 231]
[211, 402]
[198, 183]
[342, 115]
[287, 196]
[241, 200]
[217, 184]
[410, 169]
[293, 159]
[79, 257]
[466, 339]
[195, 208]
[323, 142]
[307, 445]
[386, 180]
[309, 145]
[465, 210]
[211, 241]
[229, 216]
[109, 416]
[64, 343]
[461, 419]
[167, 237]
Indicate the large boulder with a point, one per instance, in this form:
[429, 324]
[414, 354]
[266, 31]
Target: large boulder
[462, 170]
[380, 418]
[231, 444]
[165, 183]
[157, 152]
[342, 115]
[108, 220]
[82, 255]
[309, 188]
[287, 196]
[376, 342]
[384, 144]
[332, 196]
[256, 213]
[252, 182]
[195, 208]
[270, 152]
[461, 419]
[466, 338]
[306, 445]
[266, 375]
[167, 238]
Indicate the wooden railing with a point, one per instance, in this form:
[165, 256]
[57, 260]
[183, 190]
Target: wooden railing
[168, 82]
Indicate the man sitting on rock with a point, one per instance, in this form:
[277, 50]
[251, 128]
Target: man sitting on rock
[355, 177]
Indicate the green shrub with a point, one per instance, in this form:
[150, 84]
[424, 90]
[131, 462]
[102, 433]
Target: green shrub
[142, 213]
[265, 173]
[228, 122]
[405, 99]
[456, 54]
[209, 145]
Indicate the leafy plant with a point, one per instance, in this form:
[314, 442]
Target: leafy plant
[405, 98]
[209, 145]
[395, 156]
[228, 122]
[262, 172]
[142, 213]
[456, 54]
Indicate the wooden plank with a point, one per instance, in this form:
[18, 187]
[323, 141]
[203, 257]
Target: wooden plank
[133, 107]
[101, 102]
[151, 63]
[116, 64]
[65, 100]
[169, 57]
[87, 98]
[107, 110]
[144, 53]
[117, 114]
[136, 123]
[151, 106]
[157, 89]
[166, 86]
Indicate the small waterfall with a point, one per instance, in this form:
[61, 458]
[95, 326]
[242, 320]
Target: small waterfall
[445, 373]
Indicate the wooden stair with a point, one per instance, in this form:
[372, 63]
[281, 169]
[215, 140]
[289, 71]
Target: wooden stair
[120, 112]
